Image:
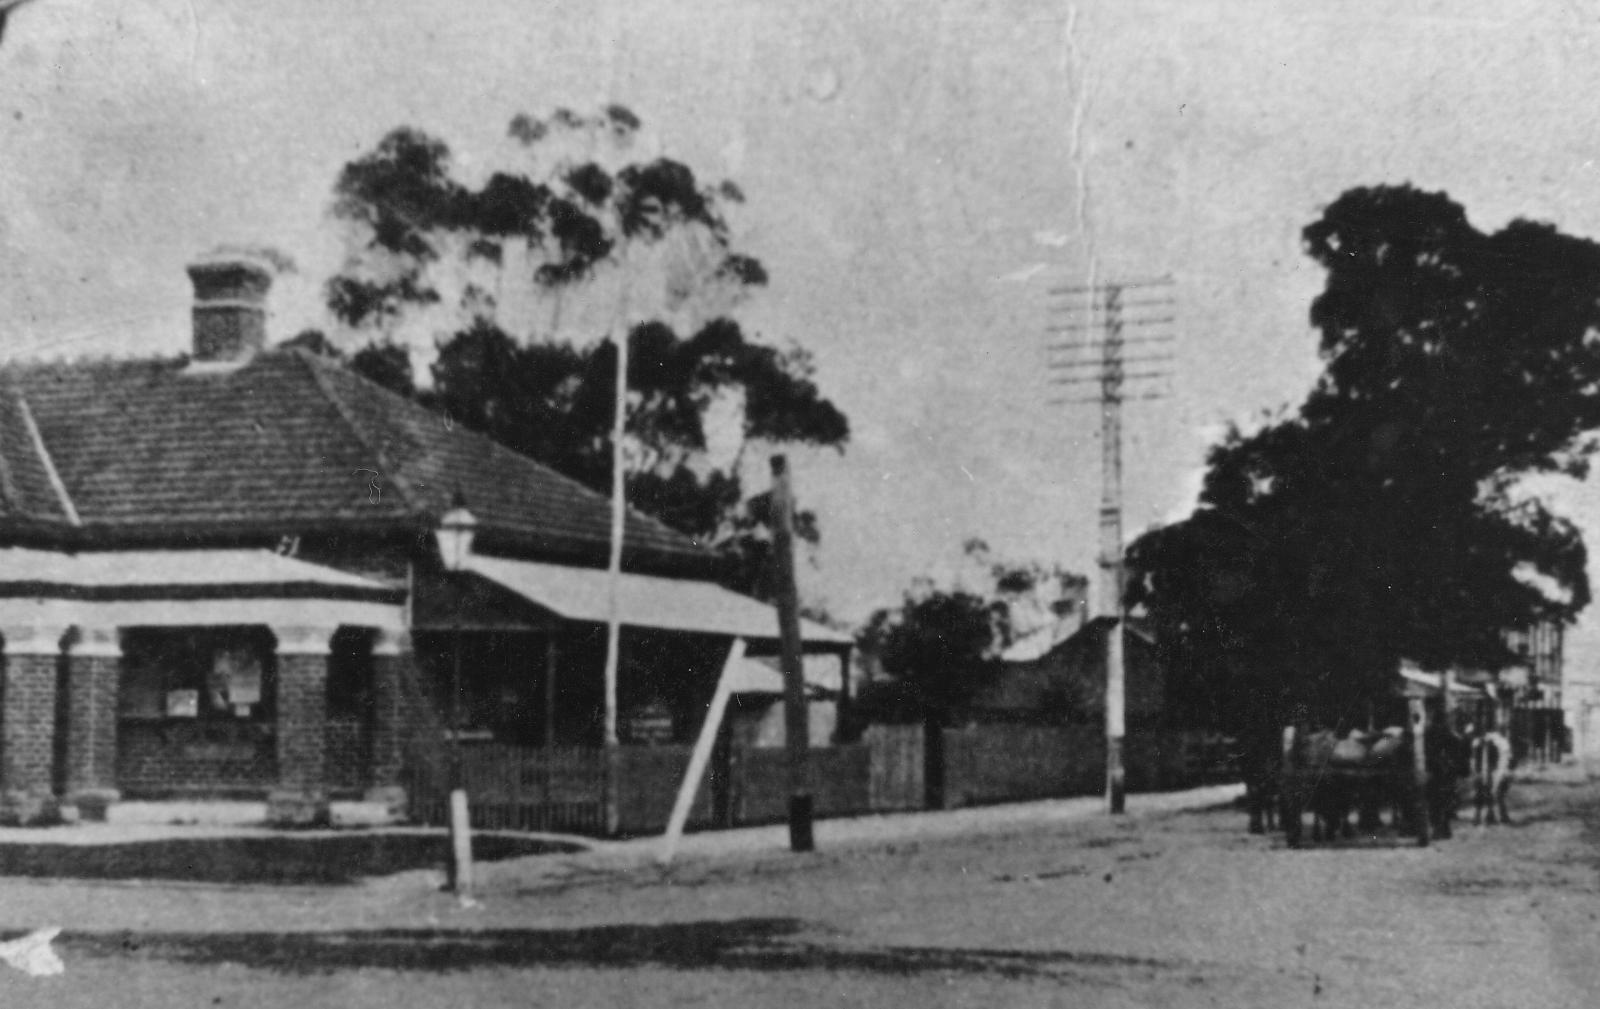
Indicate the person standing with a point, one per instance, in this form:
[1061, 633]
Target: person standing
[1442, 750]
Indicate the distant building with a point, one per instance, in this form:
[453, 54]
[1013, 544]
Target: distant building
[1066, 682]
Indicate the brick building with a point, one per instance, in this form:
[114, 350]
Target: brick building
[219, 579]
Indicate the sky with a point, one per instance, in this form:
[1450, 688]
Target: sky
[920, 175]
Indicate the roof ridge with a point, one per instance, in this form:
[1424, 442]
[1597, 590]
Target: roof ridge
[56, 484]
[8, 489]
[319, 374]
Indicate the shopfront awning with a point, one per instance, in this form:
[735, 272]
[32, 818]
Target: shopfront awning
[668, 604]
[1415, 680]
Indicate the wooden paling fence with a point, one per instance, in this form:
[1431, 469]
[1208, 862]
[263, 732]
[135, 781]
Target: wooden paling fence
[564, 790]
[516, 788]
[894, 767]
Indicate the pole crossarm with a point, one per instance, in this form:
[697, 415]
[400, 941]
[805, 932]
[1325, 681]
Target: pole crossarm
[1095, 327]
[1120, 286]
[1092, 363]
[1120, 376]
[1073, 401]
[1096, 344]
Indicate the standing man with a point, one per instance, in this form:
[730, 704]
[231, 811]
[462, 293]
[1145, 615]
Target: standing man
[1491, 776]
[1441, 749]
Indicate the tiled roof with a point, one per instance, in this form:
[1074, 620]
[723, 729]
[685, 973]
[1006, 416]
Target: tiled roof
[286, 442]
[26, 492]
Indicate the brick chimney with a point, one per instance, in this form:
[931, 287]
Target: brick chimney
[230, 308]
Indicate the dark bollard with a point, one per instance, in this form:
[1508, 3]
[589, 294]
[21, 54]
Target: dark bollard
[800, 838]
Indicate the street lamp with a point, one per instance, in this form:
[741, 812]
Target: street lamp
[457, 527]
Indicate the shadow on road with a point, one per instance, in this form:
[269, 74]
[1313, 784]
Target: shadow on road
[282, 860]
[760, 944]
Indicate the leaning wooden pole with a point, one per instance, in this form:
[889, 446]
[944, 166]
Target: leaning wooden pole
[796, 723]
[700, 756]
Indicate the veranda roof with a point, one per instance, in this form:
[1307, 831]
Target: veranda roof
[133, 574]
[669, 604]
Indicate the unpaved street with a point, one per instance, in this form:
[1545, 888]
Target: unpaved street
[1174, 910]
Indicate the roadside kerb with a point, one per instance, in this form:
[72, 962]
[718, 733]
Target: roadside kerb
[639, 853]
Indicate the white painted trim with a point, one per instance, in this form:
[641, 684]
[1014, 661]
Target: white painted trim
[391, 642]
[97, 642]
[32, 638]
[201, 613]
[302, 639]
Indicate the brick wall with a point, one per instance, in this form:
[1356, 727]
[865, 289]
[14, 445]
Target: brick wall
[302, 740]
[27, 727]
[164, 757]
[92, 722]
[349, 749]
[393, 721]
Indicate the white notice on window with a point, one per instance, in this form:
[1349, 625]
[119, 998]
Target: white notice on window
[183, 703]
[240, 670]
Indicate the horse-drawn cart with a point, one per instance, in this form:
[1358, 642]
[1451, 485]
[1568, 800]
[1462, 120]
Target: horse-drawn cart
[1362, 773]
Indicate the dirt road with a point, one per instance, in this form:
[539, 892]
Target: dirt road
[1174, 910]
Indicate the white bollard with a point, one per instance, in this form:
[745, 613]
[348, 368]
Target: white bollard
[460, 844]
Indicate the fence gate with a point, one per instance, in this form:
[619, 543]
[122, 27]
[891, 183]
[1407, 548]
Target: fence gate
[894, 777]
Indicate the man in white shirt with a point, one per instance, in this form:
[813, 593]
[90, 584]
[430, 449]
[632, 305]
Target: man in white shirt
[1491, 776]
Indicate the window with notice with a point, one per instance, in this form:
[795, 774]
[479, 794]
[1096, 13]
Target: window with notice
[201, 673]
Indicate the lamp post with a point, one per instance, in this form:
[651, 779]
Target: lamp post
[457, 527]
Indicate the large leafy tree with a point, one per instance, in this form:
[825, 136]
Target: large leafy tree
[940, 645]
[1382, 520]
[534, 271]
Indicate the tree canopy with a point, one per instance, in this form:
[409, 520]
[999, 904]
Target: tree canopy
[533, 272]
[1382, 520]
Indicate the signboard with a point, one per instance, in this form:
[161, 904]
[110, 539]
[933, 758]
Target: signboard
[183, 703]
[650, 725]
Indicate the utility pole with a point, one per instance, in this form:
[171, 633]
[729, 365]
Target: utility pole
[796, 720]
[1095, 322]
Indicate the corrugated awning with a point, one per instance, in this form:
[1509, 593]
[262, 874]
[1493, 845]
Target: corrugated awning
[763, 676]
[1411, 676]
[668, 604]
